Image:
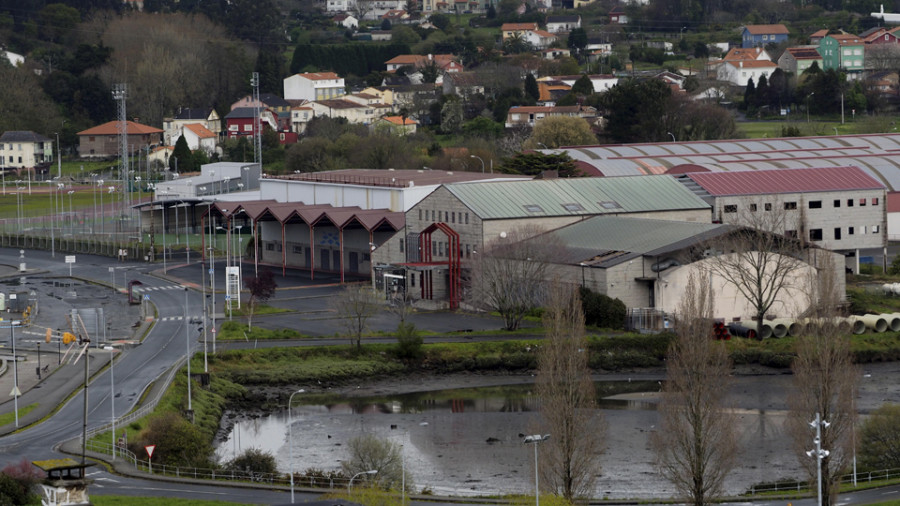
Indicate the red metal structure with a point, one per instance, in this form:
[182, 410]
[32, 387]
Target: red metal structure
[452, 262]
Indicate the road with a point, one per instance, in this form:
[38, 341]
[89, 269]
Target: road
[166, 344]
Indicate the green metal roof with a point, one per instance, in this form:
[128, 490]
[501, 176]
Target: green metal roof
[576, 196]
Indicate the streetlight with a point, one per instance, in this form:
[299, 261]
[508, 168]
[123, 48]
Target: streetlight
[350, 484]
[291, 439]
[818, 453]
[112, 397]
[480, 160]
[71, 214]
[673, 136]
[534, 440]
[187, 343]
[807, 105]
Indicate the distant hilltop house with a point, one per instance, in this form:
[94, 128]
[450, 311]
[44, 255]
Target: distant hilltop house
[760, 35]
[396, 125]
[511, 30]
[24, 150]
[529, 115]
[208, 118]
[346, 20]
[313, 86]
[842, 51]
[444, 62]
[561, 24]
[797, 60]
[103, 140]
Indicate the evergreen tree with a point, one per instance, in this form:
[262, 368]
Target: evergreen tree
[531, 87]
[583, 86]
[182, 160]
[749, 94]
[761, 97]
[269, 65]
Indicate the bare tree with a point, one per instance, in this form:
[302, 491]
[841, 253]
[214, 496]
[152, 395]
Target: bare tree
[261, 288]
[509, 275]
[354, 306]
[568, 399]
[369, 453]
[760, 257]
[696, 443]
[882, 57]
[825, 385]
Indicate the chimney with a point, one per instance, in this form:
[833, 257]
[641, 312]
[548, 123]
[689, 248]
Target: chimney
[741, 63]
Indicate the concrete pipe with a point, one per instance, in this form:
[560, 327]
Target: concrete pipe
[740, 330]
[888, 288]
[794, 327]
[768, 330]
[893, 320]
[896, 288]
[874, 322]
[853, 325]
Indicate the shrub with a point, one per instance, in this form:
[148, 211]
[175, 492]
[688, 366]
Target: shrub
[178, 442]
[880, 437]
[601, 310]
[409, 342]
[254, 460]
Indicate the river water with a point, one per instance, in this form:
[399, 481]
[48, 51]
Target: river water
[467, 441]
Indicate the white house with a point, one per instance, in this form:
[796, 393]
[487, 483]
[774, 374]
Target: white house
[24, 149]
[300, 117]
[557, 24]
[173, 126]
[346, 20]
[740, 72]
[14, 59]
[199, 137]
[313, 86]
[539, 39]
[340, 5]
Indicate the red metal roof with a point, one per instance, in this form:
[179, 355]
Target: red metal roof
[785, 181]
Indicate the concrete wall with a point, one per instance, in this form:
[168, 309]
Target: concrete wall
[326, 251]
[344, 195]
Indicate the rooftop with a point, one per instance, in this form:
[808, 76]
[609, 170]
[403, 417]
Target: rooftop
[22, 136]
[825, 179]
[397, 178]
[766, 29]
[112, 128]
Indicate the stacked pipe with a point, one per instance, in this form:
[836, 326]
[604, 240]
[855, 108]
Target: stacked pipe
[740, 330]
[720, 331]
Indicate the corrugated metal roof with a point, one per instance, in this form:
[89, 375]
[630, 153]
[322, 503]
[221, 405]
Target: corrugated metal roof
[575, 196]
[609, 240]
[785, 181]
[876, 154]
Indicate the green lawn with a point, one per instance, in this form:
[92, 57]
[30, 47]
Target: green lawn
[121, 500]
[11, 417]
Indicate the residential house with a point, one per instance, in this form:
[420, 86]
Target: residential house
[529, 115]
[617, 15]
[364, 99]
[674, 81]
[396, 16]
[740, 72]
[103, 140]
[353, 112]
[662, 45]
[562, 24]
[760, 35]
[463, 84]
[444, 62]
[879, 35]
[843, 51]
[199, 137]
[301, 115]
[817, 37]
[24, 149]
[836, 208]
[348, 21]
[240, 122]
[172, 127]
[512, 30]
[551, 90]
[539, 39]
[796, 60]
[554, 53]
[414, 97]
[600, 82]
[313, 86]
[340, 5]
[266, 101]
[396, 125]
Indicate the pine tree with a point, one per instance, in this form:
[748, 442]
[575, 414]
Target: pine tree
[182, 159]
[531, 87]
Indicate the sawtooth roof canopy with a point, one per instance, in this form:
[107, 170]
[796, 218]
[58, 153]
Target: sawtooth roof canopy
[312, 215]
[877, 154]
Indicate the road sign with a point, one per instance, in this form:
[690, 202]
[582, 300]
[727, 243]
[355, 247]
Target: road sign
[150, 449]
[112, 269]
[228, 297]
[210, 271]
[213, 330]
[15, 392]
[70, 259]
[146, 296]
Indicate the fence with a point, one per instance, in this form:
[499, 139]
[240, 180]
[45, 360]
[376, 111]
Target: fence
[646, 319]
[805, 486]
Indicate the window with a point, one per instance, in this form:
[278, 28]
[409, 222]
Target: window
[573, 207]
[434, 247]
[768, 206]
[815, 234]
[610, 204]
[862, 202]
[440, 249]
[401, 245]
[533, 208]
[815, 204]
[468, 250]
[837, 233]
[788, 206]
[874, 201]
[849, 202]
[453, 217]
[91, 139]
[875, 229]
[837, 202]
[248, 128]
[752, 208]
[297, 249]
[420, 214]
[862, 230]
[412, 279]
[849, 230]
[270, 246]
[732, 208]
[467, 218]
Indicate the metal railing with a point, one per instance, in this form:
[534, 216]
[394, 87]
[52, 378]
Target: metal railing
[805, 486]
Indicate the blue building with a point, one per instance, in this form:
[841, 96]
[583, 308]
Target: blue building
[760, 35]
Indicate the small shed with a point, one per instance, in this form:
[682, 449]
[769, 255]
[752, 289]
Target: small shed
[65, 484]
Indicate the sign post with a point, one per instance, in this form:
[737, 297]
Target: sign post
[70, 259]
[150, 449]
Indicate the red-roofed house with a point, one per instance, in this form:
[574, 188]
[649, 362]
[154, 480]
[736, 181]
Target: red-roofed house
[751, 53]
[740, 72]
[445, 62]
[199, 137]
[760, 35]
[396, 125]
[617, 16]
[836, 208]
[103, 140]
[797, 59]
[511, 30]
[817, 37]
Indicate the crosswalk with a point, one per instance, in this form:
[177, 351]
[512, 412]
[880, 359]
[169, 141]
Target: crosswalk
[155, 288]
[171, 318]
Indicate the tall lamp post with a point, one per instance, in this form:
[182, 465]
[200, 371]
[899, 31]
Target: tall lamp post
[112, 397]
[350, 484]
[291, 439]
[534, 440]
[187, 343]
[807, 105]
[818, 453]
[480, 160]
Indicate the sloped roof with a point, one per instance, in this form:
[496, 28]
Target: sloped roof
[766, 29]
[200, 130]
[819, 34]
[241, 112]
[112, 128]
[318, 76]
[745, 64]
[824, 179]
[22, 136]
[339, 103]
[804, 53]
[543, 33]
[506, 27]
[193, 113]
[604, 241]
[575, 196]
[846, 39]
[398, 120]
[742, 53]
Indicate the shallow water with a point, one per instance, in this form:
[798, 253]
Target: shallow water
[445, 438]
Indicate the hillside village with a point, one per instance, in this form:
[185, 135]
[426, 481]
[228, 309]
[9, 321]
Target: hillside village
[537, 104]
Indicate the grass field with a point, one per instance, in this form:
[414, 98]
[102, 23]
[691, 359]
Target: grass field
[11, 417]
[121, 500]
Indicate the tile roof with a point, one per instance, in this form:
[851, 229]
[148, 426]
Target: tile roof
[818, 35]
[845, 39]
[740, 53]
[585, 196]
[766, 29]
[824, 179]
[319, 76]
[759, 64]
[398, 120]
[507, 27]
[200, 130]
[544, 33]
[22, 136]
[112, 128]
[339, 103]
[804, 53]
